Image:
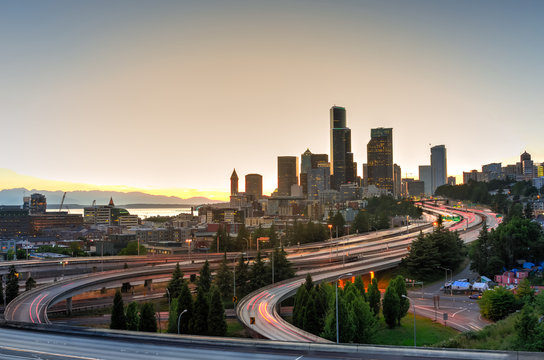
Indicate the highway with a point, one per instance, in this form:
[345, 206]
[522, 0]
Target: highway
[262, 304]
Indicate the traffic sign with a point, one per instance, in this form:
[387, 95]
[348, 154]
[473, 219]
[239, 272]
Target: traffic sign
[234, 298]
[252, 320]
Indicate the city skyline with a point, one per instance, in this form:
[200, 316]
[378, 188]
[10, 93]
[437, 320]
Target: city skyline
[141, 97]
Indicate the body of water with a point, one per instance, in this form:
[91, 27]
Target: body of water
[144, 212]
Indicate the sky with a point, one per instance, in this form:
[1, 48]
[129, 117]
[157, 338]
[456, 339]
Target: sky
[169, 96]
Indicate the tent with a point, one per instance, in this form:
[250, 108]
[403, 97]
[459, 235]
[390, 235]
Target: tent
[480, 286]
[485, 279]
[460, 285]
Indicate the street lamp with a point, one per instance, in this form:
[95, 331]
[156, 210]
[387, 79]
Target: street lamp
[451, 290]
[414, 305]
[168, 292]
[330, 230]
[338, 278]
[179, 318]
[188, 241]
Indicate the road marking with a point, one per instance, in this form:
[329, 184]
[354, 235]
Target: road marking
[300, 357]
[457, 312]
[47, 353]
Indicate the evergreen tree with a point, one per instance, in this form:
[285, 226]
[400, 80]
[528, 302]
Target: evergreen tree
[30, 283]
[199, 324]
[173, 317]
[310, 321]
[118, 319]
[524, 293]
[299, 309]
[365, 322]
[345, 321]
[530, 333]
[360, 286]
[148, 320]
[243, 287]
[399, 286]
[480, 252]
[338, 223]
[282, 266]
[217, 325]
[374, 297]
[205, 278]
[242, 239]
[258, 273]
[185, 302]
[132, 316]
[528, 211]
[309, 283]
[12, 284]
[361, 222]
[273, 242]
[391, 306]
[223, 279]
[174, 286]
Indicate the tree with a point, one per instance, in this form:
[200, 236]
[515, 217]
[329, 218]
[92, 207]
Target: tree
[496, 304]
[217, 325]
[530, 334]
[391, 306]
[364, 321]
[174, 286]
[205, 277]
[360, 286]
[132, 316]
[374, 297]
[30, 283]
[480, 253]
[185, 302]
[524, 293]
[243, 287]
[528, 211]
[148, 320]
[118, 319]
[345, 321]
[310, 320]
[223, 278]
[299, 308]
[282, 266]
[12, 284]
[399, 286]
[199, 325]
[361, 222]
[173, 317]
[258, 273]
[242, 238]
[338, 223]
[132, 249]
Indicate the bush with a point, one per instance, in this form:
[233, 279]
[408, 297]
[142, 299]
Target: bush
[496, 304]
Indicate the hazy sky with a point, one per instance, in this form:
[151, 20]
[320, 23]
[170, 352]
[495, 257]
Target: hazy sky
[175, 94]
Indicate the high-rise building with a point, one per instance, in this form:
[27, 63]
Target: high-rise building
[234, 183]
[38, 204]
[380, 159]
[439, 168]
[527, 165]
[426, 177]
[397, 180]
[452, 180]
[254, 185]
[287, 174]
[309, 161]
[492, 171]
[341, 155]
[318, 181]
[319, 159]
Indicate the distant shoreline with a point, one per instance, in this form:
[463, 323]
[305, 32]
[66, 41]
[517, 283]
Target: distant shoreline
[132, 206]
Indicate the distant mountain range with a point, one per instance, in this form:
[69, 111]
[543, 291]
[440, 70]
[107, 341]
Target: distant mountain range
[85, 198]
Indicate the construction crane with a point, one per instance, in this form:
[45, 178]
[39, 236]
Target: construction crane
[94, 204]
[62, 202]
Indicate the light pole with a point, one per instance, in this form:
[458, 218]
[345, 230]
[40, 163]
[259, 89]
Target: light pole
[188, 242]
[330, 231]
[337, 333]
[414, 305]
[440, 267]
[179, 318]
[234, 283]
[168, 292]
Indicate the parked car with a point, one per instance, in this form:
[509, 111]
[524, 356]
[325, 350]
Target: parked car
[475, 296]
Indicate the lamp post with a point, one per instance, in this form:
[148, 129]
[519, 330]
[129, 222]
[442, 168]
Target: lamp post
[440, 267]
[330, 230]
[168, 292]
[337, 333]
[179, 318]
[414, 305]
[188, 242]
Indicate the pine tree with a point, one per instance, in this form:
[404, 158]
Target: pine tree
[391, 305]
[310, 321]
[12, 284]
[360, 286]
[364, 321]
[199, 325]
[185, 302]
[374, 297]
[205, 278]
[173, 317]
[345, 321]
[132, 316]
[361, 222]
[242, 277]
[299, 308]
[30, 283]
[223, 279]
[282, 266]
[118, 319]
[400, 289]
[217, 325]
[309, 283]
[174, 286]
[148, 320]
[258, 273]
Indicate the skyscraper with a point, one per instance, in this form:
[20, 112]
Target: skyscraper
[396, 180]
[380, 159]
[439, 170]
[234, 183]
[254, 185]
[287, 174]
[426, 177]
[341, 155]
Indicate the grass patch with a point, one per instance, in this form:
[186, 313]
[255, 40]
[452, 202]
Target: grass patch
[236, 329]
[427, 331]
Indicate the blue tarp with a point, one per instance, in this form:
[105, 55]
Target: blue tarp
[528, 265]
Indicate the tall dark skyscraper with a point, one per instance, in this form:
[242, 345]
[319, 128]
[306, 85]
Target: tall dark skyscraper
[254, 185]
[439, 168]
[287, 174]
[341, 155]
[380, 159]
[234, 183]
